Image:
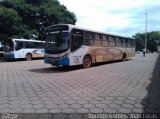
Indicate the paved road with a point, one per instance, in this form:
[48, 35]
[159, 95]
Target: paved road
[116, 87]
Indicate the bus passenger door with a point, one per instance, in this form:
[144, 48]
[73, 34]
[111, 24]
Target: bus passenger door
[76, 50]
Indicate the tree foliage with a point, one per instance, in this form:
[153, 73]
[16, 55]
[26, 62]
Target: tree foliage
[153, 40]
[10, 22]
[23, 18]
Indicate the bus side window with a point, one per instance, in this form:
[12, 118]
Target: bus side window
[38, 45]
[30, 45]
[129, 43]
[123, 43]
[105, 40]
[89, 38]
[76, 39]
[111, 41]
[76, 42]
[42, 45]
[19, 45]
[126, 41]
[118, 42]
[132, 43]
[24, 44]
[97, 39]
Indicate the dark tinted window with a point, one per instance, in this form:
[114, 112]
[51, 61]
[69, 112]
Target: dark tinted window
[57, 28]
[57, 42]
[111, 40]
[19, 45]
[30, 45]
[8, 45]
[104, 40]
[129, 43]
[132, 43]
[123, 42]
[26, 44]
[77, 32]
[97, 36]
[105, 37]
[118, 42]
[97, 39]
[76, 39]
[89, 38]
[39, 44]
[89, 35]
[76, 42]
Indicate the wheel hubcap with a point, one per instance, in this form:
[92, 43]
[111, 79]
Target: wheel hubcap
[87, 62]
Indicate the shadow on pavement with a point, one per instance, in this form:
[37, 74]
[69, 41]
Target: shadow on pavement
[151, 103]
[56, 69]
[18, 60]
[69, 68]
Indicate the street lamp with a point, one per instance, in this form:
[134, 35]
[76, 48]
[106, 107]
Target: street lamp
[145, 47]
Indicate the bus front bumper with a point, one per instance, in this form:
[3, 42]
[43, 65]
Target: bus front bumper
[9, 56]
[57, 62]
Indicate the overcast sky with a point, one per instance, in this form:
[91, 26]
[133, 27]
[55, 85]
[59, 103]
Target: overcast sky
[123, 17]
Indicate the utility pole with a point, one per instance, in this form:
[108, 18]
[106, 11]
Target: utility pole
[145, 44]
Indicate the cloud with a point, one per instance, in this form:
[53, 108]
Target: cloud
[115, 16]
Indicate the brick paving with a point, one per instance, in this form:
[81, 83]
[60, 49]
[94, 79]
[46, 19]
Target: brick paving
[116, 87]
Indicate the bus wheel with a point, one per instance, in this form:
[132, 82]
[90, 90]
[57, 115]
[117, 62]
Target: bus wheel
[124, 57]
[87, 62]
[28, 57]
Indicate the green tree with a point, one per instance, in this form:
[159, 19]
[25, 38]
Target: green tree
[9, 23]
[153, 40]
[35, 15]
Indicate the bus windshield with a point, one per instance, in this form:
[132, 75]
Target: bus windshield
[57, 42]
[8, 45]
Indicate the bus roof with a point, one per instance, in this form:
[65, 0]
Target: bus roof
[29, 40]
[77, 27]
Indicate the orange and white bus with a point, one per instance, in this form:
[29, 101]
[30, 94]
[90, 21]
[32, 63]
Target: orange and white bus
[70, 45]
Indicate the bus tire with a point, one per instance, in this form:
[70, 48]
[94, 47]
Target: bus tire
[28, 57]
[124, 57]
[87, 61]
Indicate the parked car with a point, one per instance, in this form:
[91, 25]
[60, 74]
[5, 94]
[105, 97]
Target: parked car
[1, 54]
[139, 52]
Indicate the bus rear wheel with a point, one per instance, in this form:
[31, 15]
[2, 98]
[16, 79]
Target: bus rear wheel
[87, 62]
[28, 57]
